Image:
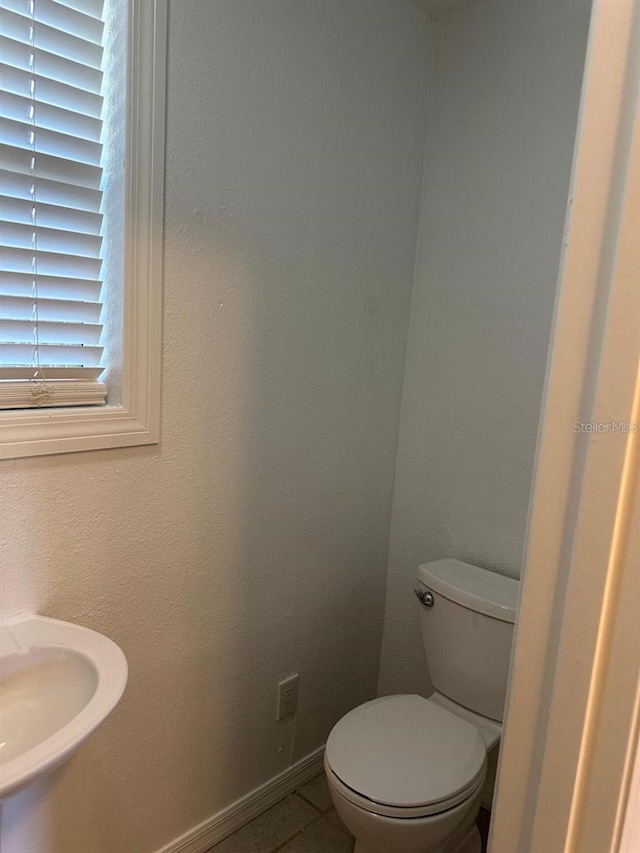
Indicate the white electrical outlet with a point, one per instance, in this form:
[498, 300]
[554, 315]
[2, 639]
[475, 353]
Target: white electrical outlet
[287, 696]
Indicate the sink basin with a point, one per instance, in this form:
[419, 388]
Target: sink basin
[58, 682]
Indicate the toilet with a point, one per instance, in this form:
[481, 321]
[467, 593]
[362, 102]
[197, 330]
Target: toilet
[406, 774]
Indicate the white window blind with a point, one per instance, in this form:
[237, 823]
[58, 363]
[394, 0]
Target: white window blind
[51, 229]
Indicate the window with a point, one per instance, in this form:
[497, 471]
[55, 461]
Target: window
[81, 132]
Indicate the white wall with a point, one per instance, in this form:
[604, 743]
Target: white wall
[506, 97]
[253, 541]
[436, 8]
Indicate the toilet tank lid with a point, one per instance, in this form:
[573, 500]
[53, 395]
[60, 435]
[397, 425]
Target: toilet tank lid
[472, 587]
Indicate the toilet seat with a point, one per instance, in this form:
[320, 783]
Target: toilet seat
[405, 756]
[399, 812]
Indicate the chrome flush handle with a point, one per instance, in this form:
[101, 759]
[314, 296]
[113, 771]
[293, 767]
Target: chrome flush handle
[425, 597]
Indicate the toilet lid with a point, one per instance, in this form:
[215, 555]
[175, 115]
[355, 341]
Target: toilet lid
[405, 751]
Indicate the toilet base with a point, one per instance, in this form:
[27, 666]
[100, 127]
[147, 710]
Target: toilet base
[451, 831]
[470, 843]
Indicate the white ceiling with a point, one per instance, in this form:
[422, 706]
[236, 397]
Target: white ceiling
[435, 8]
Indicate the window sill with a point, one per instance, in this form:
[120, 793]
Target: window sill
[48, 431]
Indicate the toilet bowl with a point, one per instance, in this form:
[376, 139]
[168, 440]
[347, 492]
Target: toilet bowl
[407, 776]
[453, 831]
[405, 773]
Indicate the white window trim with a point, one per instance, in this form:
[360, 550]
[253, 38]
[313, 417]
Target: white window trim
[37, 432]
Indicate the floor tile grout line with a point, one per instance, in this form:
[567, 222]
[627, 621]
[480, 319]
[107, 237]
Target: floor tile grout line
[313, 805]
[296, 834]
[343, 829]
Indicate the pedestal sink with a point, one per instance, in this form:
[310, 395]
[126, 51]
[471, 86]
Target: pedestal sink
[58, 682]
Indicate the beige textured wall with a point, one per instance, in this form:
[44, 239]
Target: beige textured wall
[506, 95]
[253, 541]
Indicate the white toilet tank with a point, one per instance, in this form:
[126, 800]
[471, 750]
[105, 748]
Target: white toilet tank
[468, 632]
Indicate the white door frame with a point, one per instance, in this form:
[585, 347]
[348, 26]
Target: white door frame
[573, 710]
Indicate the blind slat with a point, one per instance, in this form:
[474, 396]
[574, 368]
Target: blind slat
[49, 66]
[18, 186]
[50, 142]
[61, 17]
[53, 372]
[57, 94]
[18, 108]
[24, 394]
[17, 210]
[13, 259]
[59, 169]
[49, 286]
[14, 235]
[26, 354]
[89, 7]
[51, 39]
[49, 332]
[22, 308]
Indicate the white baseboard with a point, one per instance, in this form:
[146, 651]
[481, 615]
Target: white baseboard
[217, 827]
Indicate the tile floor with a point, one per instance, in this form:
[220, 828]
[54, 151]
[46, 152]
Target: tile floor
[304, 822]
